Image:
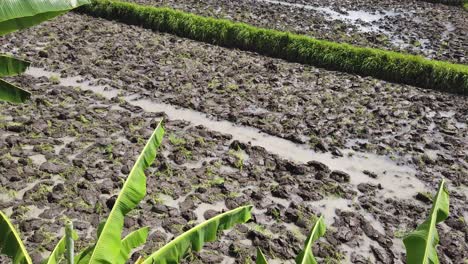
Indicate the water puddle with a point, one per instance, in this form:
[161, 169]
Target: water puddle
[76, 81]
[328, 206]
[449, 28]
[171, 202]
[280, 201]
[227, 170]
[65, 140]
[446, 114]
[202, 208]
[363, 249]
[27, 148]
[228, 260]
[198, 164]
[355, 17]
[38, 159]
[421, 44]
[34, 212]
[395, 180]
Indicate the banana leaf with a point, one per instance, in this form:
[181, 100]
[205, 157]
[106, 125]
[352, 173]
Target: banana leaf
[108, 245]
[20, 14]
[11, 244]
[306, 256]
[10, 66]
[421, 243]
[57, 253]
[260, 257]
[130, 242]
[84, 256]
[59, 250]
[12, 93]
[197, 236]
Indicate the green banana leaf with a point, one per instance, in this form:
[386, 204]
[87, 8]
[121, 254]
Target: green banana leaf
[108, 245]
[12, 93]
[11, 244]
[197, 236]
[261, 259]
[100, 228]
[84, 256]
[10, 66]
[57, 254]
[20, 14]
[130, 242]
[421, 243]
[306, 256]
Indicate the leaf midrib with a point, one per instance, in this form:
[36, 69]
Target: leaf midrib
[150, 141]
[197, 227]
[432, 224]
[309, 244]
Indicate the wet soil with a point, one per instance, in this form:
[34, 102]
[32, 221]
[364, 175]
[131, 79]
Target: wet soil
[433, 30]
[73, 148]
[88, 144]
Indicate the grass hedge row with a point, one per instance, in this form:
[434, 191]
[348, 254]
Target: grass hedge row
[385, 65]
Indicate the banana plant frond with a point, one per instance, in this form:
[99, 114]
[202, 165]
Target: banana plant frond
[109, 244]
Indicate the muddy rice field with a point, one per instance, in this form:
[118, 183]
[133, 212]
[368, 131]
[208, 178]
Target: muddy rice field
[433, 30]
[293, 140]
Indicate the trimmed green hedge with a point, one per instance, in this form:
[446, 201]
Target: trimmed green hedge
[386, 65]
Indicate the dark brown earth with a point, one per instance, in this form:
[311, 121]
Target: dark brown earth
[73, 148]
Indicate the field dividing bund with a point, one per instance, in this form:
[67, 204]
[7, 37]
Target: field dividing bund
[385, 65]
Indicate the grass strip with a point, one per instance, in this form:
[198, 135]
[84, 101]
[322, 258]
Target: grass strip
[385, 65]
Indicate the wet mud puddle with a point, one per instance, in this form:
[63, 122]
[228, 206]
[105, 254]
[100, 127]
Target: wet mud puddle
[375, 22]
[396, 180]
[360, 18]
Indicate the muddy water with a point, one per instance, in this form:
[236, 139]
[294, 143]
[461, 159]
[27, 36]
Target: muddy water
[396, 180]
[65, 140]
[374, 22]
[38, 159]
[202, 208]
[351, 16]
